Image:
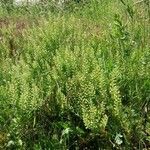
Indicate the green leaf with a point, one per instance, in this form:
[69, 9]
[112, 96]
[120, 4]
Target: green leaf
[118, 139]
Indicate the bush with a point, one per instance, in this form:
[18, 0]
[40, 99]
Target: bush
[75, 83]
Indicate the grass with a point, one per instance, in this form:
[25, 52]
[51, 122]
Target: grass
[76, 78]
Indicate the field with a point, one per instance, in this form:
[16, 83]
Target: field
[75, 77]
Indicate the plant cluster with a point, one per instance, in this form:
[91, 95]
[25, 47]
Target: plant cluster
[74, 81]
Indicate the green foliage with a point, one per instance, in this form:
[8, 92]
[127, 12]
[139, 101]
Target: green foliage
[68, 80]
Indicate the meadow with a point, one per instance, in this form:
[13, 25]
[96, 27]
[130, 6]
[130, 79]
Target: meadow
[75, 77]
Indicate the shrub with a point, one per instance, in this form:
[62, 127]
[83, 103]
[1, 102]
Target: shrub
[77, 84]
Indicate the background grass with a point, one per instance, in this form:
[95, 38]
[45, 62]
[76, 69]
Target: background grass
[75, 78]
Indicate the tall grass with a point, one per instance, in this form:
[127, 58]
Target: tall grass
[75, 79]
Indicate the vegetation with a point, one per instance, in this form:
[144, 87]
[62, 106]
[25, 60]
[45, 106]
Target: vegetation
[76, 77]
